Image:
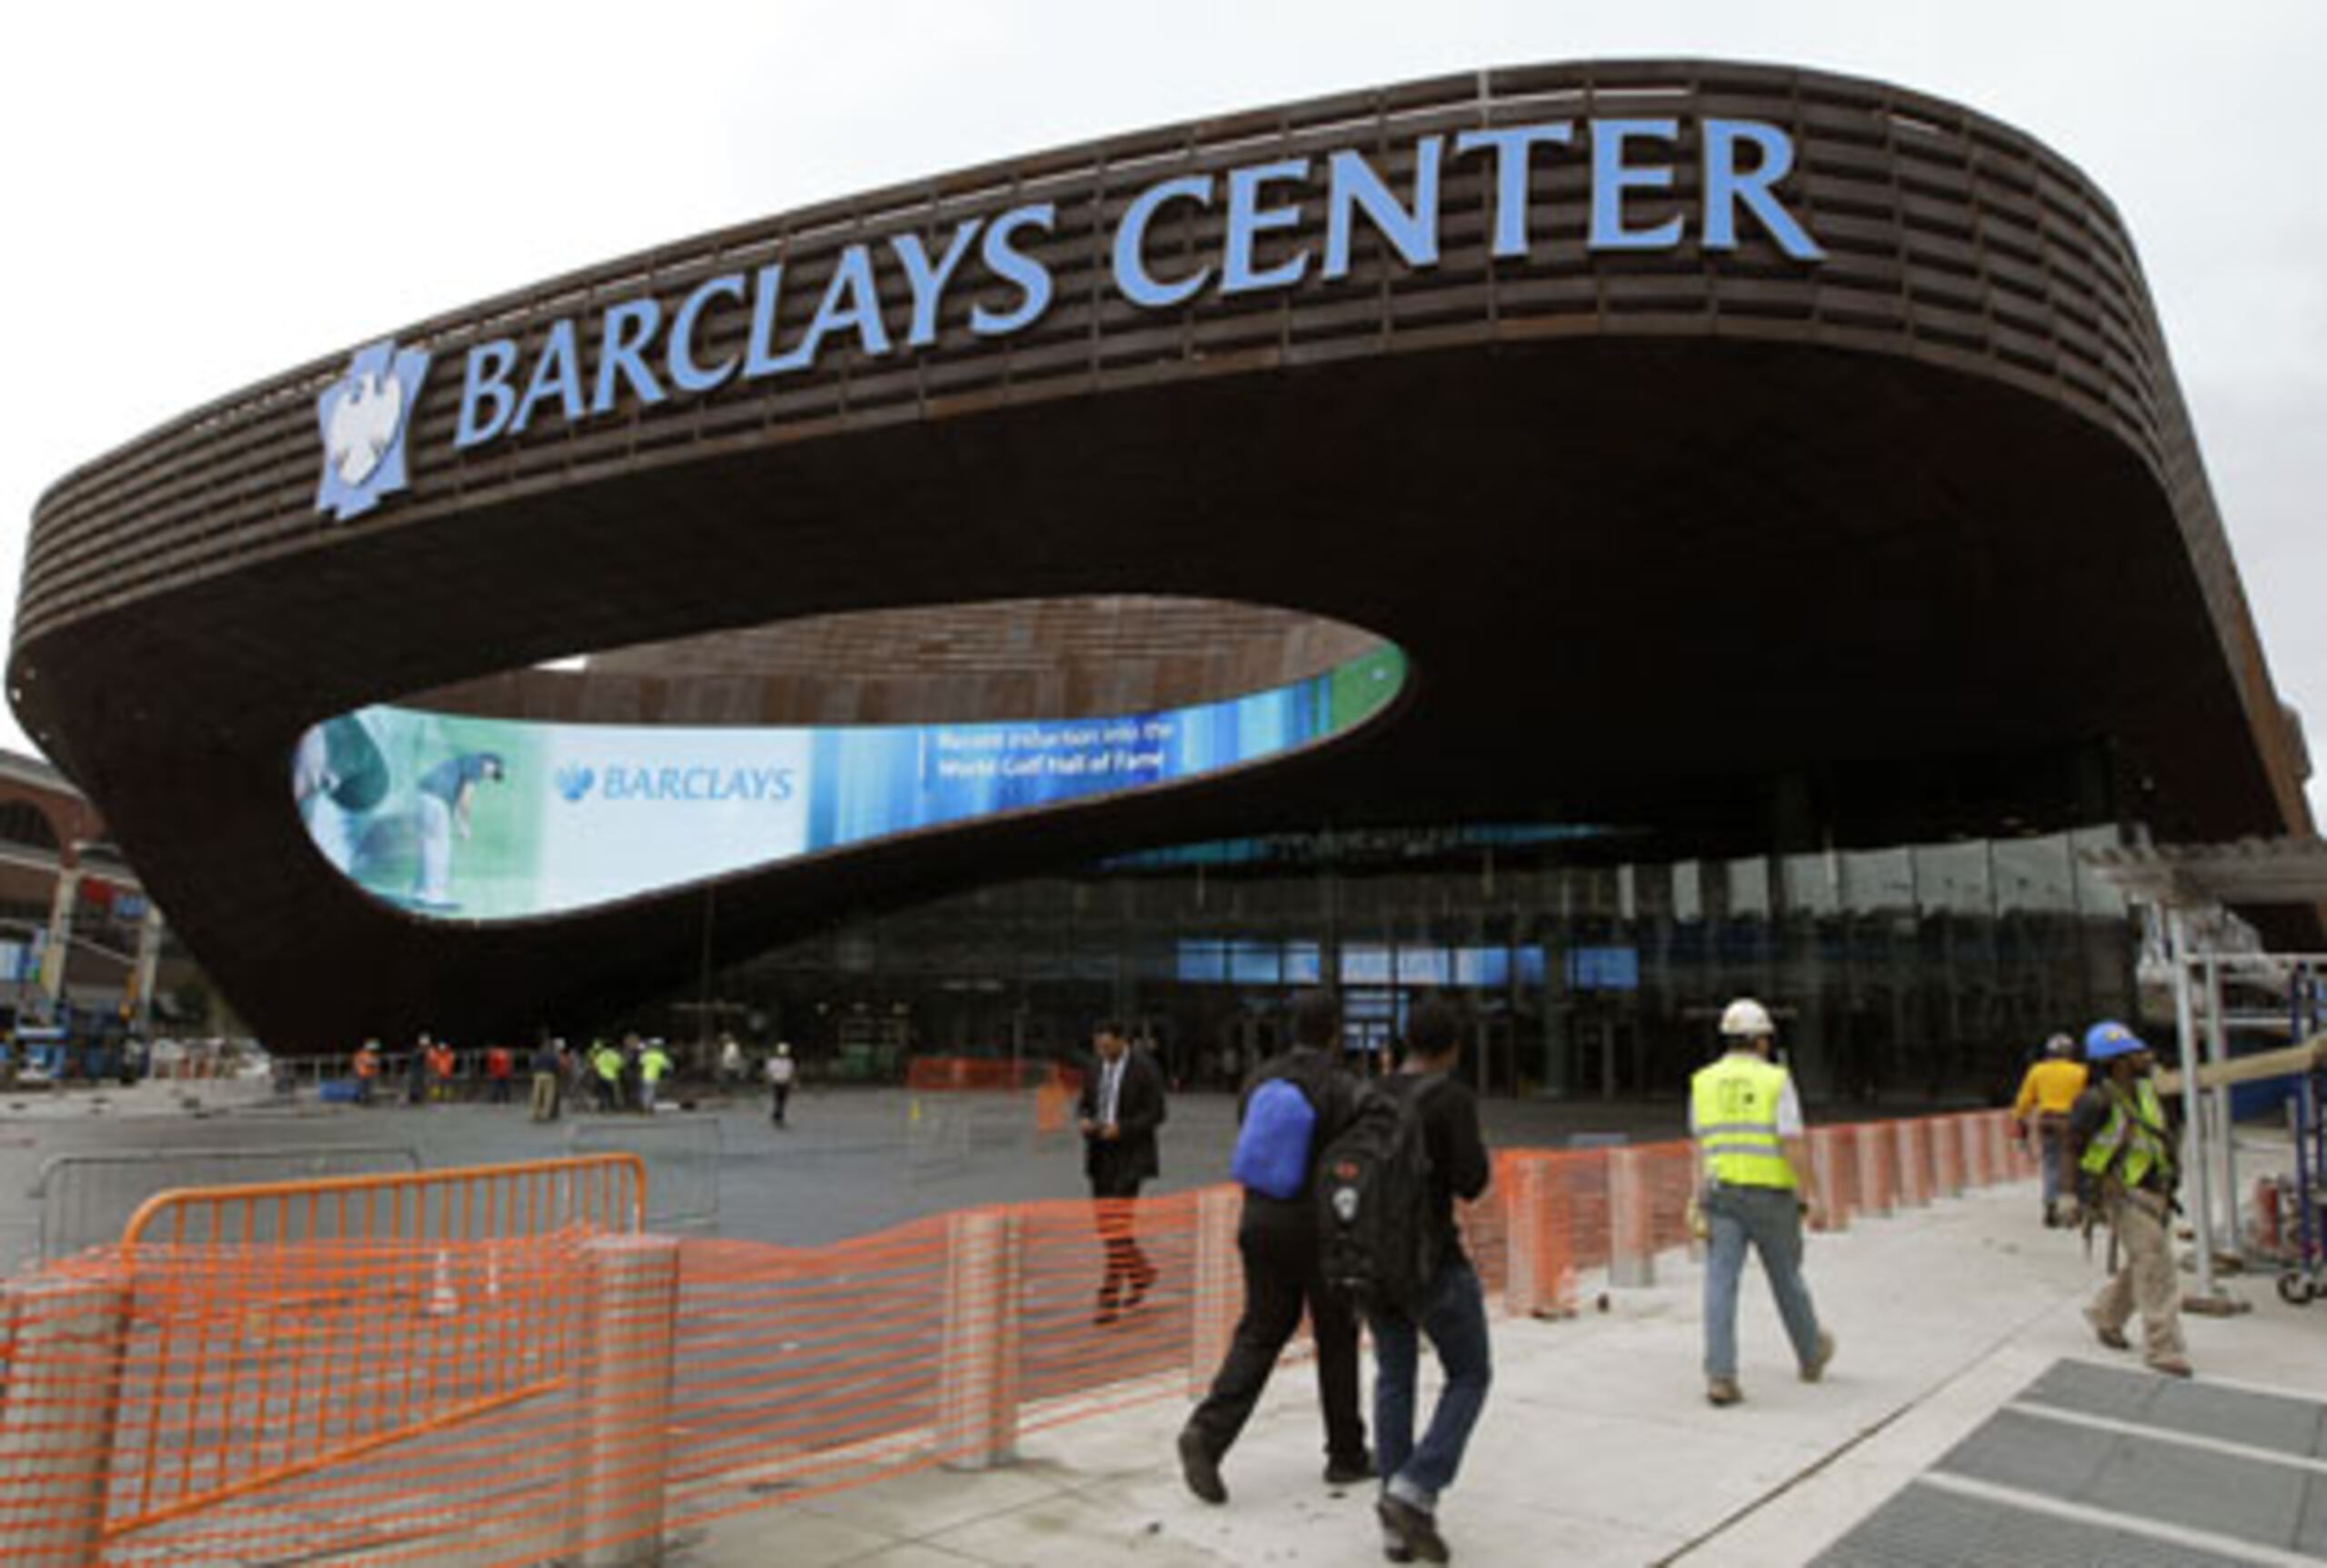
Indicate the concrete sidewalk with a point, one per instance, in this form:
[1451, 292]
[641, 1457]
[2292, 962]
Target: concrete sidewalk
[1597, 1445]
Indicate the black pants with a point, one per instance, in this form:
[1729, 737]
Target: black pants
[779, 1095]
[1128, 1272]
[1279, 1252]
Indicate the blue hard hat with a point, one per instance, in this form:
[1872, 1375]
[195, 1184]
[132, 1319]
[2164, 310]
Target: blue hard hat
[2109, 1038]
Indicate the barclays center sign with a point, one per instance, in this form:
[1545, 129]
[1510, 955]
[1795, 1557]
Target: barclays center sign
[883, 295]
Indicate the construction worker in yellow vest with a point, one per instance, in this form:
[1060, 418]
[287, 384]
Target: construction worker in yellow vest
[2125, 1175]
[1751, 1153]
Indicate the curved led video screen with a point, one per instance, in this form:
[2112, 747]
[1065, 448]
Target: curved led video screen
[476, 819]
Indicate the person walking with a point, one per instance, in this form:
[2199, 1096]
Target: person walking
[781, 1070]
[2046, 1096]
[415, 1072]
[500, 1074]
[367, 1071]
[731, 1065]
[1451, 1311]
[1277, 1243]
[653, 1062]
[1750, 1151]
[630, 1086]
[605, 1064]
[2126, 1176]
[1122, 1105]
[549, 1079]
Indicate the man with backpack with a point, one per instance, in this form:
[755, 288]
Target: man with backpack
[1297, 1103]
[1430, 1154]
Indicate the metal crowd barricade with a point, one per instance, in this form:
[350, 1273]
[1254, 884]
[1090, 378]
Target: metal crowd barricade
[268, 1332]
[87, 1197]
[606, 1191]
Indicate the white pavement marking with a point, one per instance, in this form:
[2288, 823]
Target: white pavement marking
[2104, 1519]
[2168, 1435]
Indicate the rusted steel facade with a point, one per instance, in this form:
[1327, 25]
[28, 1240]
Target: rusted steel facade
[1667, 534]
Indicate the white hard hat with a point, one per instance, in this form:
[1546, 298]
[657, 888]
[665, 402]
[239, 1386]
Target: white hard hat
[1747, 1019]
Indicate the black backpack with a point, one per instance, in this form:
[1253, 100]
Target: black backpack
[1377, 1236]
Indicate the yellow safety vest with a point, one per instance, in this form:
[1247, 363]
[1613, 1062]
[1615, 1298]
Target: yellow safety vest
[1737, 1104]
[2135, 1134]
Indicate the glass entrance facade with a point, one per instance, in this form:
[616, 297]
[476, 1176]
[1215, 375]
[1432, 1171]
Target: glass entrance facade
[1918, 971]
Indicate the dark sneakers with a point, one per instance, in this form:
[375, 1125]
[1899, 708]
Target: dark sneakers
[1199, 1468]
[1815, 1367]
[1349, 1471]
[1416, 1531]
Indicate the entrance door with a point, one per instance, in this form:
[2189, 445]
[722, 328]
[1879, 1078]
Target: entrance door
[1371, 1015]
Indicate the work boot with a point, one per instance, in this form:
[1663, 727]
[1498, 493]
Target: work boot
[1200, 1469]
[2114, 1338]
[1418, 1529]
[1349, 1471]
[1815, 1367]
[1723, 1391]
[2170, 1365]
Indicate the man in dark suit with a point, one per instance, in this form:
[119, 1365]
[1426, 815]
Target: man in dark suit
[1121, 1108]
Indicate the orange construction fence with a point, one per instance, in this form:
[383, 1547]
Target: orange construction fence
[1010, 1075]
[531, 1381]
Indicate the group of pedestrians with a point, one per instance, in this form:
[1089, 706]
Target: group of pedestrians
[1309, 1246]
[2109, 1158]
[617, 1076]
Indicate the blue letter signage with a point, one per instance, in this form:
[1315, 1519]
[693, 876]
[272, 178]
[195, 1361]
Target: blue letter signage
[886, 295]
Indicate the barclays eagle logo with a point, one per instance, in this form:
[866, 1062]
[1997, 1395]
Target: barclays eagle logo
[574, 780]
[365, 415]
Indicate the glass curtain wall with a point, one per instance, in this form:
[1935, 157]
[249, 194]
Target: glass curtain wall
[1905, 974]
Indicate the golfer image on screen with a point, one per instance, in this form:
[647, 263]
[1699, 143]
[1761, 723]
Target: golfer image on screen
[446, 793]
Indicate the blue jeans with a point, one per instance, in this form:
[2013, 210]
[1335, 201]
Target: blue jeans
[2052, 1144]
[1767, 1217]
[1454, 1316]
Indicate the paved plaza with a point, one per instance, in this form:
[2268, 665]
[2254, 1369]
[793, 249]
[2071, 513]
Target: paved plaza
[1956, 1323]
[1970, 1418]
[852, 1160]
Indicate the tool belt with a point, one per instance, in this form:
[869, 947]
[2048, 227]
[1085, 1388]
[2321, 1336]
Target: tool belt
[2152, 1201]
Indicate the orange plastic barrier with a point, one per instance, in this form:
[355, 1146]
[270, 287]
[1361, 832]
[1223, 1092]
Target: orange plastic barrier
[517, 1382]
[980, 1074]
[1946, 1156]
[1873, 1142]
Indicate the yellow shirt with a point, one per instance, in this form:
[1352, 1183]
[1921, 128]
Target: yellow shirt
[2052, 1085]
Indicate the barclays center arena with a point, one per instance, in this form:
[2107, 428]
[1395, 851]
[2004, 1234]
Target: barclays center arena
[1587, 540]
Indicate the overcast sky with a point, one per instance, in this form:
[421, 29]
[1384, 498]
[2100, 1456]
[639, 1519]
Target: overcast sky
[200, 195]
